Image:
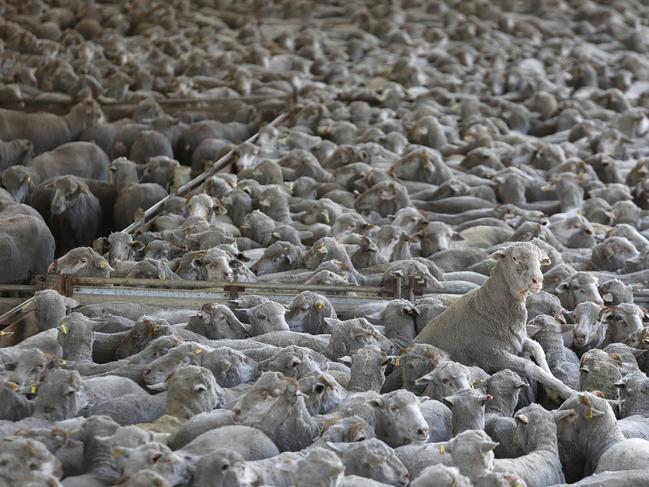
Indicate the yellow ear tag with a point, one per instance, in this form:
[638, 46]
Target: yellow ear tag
[64, 362]
[102, 265]
[29, 179]
[198, 350]
[319, 305]
[477, 382]
[442, 449]
[397, 361]
[589, 415]
[13, 386]
[117, 453]
[33, 390]
[64, 329]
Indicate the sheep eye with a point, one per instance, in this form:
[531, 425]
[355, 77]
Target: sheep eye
[444, 381]
[224, 467]
[394, 409]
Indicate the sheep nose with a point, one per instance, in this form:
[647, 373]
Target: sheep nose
[422, 431]
[536, 281]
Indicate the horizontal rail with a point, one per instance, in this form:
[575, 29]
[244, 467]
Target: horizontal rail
[191, 285]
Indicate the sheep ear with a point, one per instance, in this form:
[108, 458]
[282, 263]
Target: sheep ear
[498, 255]
[345, 360]
[377, 403]
[486, 399]
[543, 257]
[457, 237]
[561, 414]
[522, 419]
[137, 245]
[591, 413]
[339, 447]
[563, 287]
[532, 330]
[487, 446]
[617, 357]
[450, 400]
[332, 321]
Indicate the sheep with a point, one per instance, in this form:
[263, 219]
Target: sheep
[248, 442]
[563, 363]
[468, 407]
[504, 387]
[589, 421]
[372, 459]
[516, 273]
[600, 371]
[536, 435]
[399, 419]
[286, 419]
[367, 369]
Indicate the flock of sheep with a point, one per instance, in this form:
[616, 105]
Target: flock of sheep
[490, 151]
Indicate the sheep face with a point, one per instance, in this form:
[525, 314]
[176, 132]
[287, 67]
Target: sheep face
[435, 236]
[375, 460]
[160, 369]
[192, 390]
[307, 313]
[76, 335]
[155, 457]
[472, 450]
[280, 256]
[347, 430]
[579, 414]
[21, 457]
[28, 370]
[622, 320]
[321, 464]
[216, 322]
[67, 190]
[445, 380]
[144, 331]
[578, 288]
[231, 367]
[416, 361]
[399, 417]
[520, 266]
[60, 396]
[268, 317]
[83, 262]
[589, 331]
[122, 247]
[201, 206]
[292, 362]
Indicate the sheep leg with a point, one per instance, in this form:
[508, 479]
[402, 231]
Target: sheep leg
[507, 360]
[537, 353]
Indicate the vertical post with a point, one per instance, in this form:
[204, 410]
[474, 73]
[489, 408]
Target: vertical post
[397, 287]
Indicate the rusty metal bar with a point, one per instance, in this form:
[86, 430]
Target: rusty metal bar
[198, 180]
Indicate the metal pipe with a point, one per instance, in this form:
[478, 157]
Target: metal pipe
[189, 285]
[16, 309]
[188, 186]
